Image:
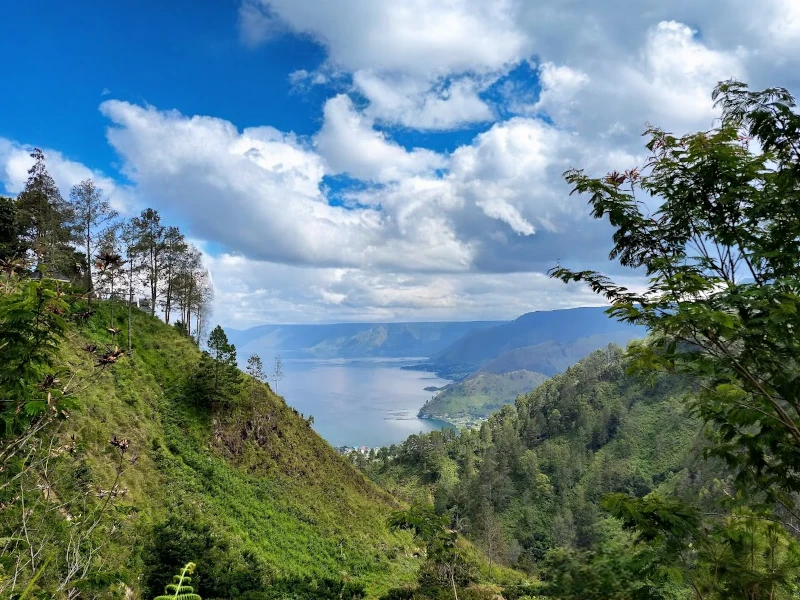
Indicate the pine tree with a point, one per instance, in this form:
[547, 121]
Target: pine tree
[9, 229]
[180, 588]
[255, 368]
[218, 378]
[44, 217]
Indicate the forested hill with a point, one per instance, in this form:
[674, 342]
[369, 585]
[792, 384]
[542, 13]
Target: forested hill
[353, 340]
[170, 456]
[530, 480]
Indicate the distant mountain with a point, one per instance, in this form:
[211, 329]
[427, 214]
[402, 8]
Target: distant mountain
[551, 357]
[496, 364]
[353, 340]
[569, 335]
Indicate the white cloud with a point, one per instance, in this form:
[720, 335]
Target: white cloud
[423, 104]
[258, 191]
[425, 63]
[350, 145]
[419, 37]
[420, 64]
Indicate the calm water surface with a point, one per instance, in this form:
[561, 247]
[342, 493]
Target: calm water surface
[366, 402]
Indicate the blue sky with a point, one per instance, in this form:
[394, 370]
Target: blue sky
[368, 159]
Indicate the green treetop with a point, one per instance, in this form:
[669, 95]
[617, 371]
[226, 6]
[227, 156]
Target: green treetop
[721, 255]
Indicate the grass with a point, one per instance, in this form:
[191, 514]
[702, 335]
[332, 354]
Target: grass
[284, 498]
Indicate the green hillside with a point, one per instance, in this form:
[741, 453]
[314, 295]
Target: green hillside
[466, 402]
[247, 490]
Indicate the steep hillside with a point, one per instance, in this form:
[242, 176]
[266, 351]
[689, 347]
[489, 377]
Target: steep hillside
[246, 490]
[466, 402]
[573, 331]
[352, 340]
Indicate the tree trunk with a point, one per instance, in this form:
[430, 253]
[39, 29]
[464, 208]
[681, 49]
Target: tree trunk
[89, 286]
[167, 301]
[130, 305]
[453, 582]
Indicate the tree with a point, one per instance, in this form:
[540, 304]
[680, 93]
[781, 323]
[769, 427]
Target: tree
[9, 230]
[277, 371]
[93, 217]
[225, 375]
[44, 217]
[151, 244]
[175, 250]
[432, 529]
[109, 265]
[490, 532]
[722, 301]
[192, 290]
[128, 240]
[255, 369]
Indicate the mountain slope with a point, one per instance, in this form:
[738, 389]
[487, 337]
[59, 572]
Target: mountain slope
[352, 340]
[553, 357]
[584, 326]
[248, 491]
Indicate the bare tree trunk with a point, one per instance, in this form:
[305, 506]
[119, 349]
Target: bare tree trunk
[89, 286]
[130, 305]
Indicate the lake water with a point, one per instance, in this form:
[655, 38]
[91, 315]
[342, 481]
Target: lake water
[366, 402]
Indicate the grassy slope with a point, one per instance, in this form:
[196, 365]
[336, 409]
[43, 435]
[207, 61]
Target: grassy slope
[481, 395]
[288, 498]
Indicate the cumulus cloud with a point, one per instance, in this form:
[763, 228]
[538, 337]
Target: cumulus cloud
[351, 145]
[428, 64]
[420, 64]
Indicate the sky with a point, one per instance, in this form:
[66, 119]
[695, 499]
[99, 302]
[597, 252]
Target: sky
[372, 160]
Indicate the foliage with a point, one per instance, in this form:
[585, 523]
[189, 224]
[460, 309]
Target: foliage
[32, 326]
[180, 588]
[723, 292]
[92, 219]
[9, 230]
[445, 562]
[43, 217]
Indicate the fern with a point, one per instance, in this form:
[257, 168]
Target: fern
[180, 589]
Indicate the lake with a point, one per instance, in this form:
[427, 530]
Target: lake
[364, 402]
